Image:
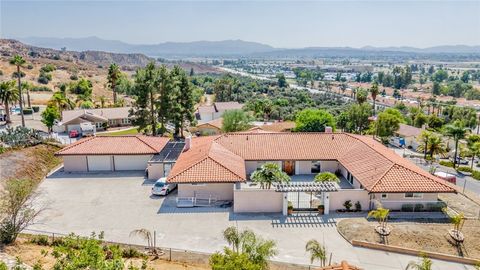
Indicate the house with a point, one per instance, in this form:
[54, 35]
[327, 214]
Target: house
[111, 153]
[213, 127]
[408, 136]
[215, 111]
[344, 265]
[218, 168]
[280, 126]
[101, 118]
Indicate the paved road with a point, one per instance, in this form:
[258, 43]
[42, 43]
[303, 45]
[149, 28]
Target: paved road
[118, 203]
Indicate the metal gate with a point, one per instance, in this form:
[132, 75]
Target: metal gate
[305, 201]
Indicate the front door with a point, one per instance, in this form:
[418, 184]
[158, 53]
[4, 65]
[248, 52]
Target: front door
[289, 167]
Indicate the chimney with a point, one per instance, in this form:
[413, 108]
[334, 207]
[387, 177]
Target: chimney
[328, 129]
[188, 143]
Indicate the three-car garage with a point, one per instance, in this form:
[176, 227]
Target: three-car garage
[123, 153]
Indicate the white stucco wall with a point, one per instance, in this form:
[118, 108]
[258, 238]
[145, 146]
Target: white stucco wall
[223, 191]
[394, 201]
[75, 163]
[155, 171]
[303, 167]
[257, 201]
[338, 198]
[329, 166]
[131, 162]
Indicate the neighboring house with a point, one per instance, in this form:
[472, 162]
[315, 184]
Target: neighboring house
[213, 127]
[408, 136]
[115, 153]
[215, 111]
[342, 266]
[280, 126]
[218, 168]
[100, 118]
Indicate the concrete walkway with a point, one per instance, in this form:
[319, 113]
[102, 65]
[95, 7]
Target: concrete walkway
[11, 261]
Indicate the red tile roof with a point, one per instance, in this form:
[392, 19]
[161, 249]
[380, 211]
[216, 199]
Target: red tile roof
[376, 167]
[342, 266]
[207, 162]
[106, 113]
[408, 131]
[215, 123]
[115, 145]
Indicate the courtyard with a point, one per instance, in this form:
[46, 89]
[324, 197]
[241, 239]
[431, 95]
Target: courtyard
[120, 202]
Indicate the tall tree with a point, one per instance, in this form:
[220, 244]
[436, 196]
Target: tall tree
[19, 62]
[235, 120]
[146, 92]
[187, 101]
[114, 74]
[457, 131]
[317, 252]
[8, 95]
[49, 116]
[165, 90]
[374, 92]
[313, 120]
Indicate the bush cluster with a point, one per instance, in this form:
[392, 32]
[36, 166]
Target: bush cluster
[446, 163]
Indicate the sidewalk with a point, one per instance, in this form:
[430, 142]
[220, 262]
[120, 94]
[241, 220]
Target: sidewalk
[11, 261]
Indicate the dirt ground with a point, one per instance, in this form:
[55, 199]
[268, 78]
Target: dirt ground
[428, 235]
[31, 162]
[30, 254]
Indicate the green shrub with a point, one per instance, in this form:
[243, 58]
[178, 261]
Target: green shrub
[41, 240]
[27, 111]
[446, 163]
[48, 68]
[42, 88]
[358, 206]
[29, 66]
[435, 207]
[419, 207]
[464, 169]
[1, 72]
[407, 207]
[3, 266]
[348, 205]
[476, 175]
[132, 253]
[74, 77]
[35, 108]
[58, 242]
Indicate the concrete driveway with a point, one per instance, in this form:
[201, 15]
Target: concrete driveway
[118, 203]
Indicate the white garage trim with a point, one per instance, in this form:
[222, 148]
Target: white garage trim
[131, 162]
[99, 163]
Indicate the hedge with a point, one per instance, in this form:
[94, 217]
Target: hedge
[446, 163]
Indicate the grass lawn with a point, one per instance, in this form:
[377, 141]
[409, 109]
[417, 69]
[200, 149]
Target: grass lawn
[130, 131]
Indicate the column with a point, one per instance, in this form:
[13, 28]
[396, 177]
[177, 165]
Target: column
[326, 202]
[285, 203]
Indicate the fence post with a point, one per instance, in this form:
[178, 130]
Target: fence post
[53, 237]
[170, 257]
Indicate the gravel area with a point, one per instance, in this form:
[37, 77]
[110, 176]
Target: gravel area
[427, 235]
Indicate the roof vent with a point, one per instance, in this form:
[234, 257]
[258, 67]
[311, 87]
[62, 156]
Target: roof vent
[328, 129]
[188, 143]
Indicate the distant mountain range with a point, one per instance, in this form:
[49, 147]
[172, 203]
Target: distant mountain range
[232, 48]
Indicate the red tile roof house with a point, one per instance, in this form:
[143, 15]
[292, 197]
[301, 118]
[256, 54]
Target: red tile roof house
[218, 168]
[100, 118]
[215, 111]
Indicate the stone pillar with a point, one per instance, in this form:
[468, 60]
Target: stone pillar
[285, 203]
[326, 202]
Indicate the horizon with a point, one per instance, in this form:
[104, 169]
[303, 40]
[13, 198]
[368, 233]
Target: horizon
[250, 41]
[280, 24]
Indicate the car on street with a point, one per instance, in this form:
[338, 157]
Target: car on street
[161, 188]
[461, 161]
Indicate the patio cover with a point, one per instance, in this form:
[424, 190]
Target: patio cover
[307, 187]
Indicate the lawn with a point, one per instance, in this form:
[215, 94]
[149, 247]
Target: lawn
[131, 131]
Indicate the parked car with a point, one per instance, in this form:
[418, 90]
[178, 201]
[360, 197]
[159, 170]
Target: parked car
[447, 177]
[73, 133]
[461, 161]
[162, 188]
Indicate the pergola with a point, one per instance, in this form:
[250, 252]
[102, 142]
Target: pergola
[306, 187]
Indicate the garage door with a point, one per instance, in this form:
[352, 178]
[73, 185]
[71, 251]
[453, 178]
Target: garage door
[99, 163]
[131, 163]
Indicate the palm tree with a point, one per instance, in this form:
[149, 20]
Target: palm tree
[381, 215]
[436, 146]
[114, 74]
[18, 61]
[425, 264]
[457, 131]
[474, 150]
[103, 101]
[326, 177]
[457, 221]
[257, 249]
[62, 101]
[374, 92]
[145, 235]
[268, 174]
[424, 137]
[8, 95]
[317, 252]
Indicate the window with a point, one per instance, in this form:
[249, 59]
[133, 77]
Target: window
[384, 196]
[125, 121]
[99, 125]
[350, 178]
[413, 195]
[315, 167]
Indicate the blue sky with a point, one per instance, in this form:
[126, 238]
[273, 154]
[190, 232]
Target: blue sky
[285, 23]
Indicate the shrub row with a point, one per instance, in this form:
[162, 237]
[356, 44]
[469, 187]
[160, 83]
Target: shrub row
[475, 173]
[446, 163]
[418, 207]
